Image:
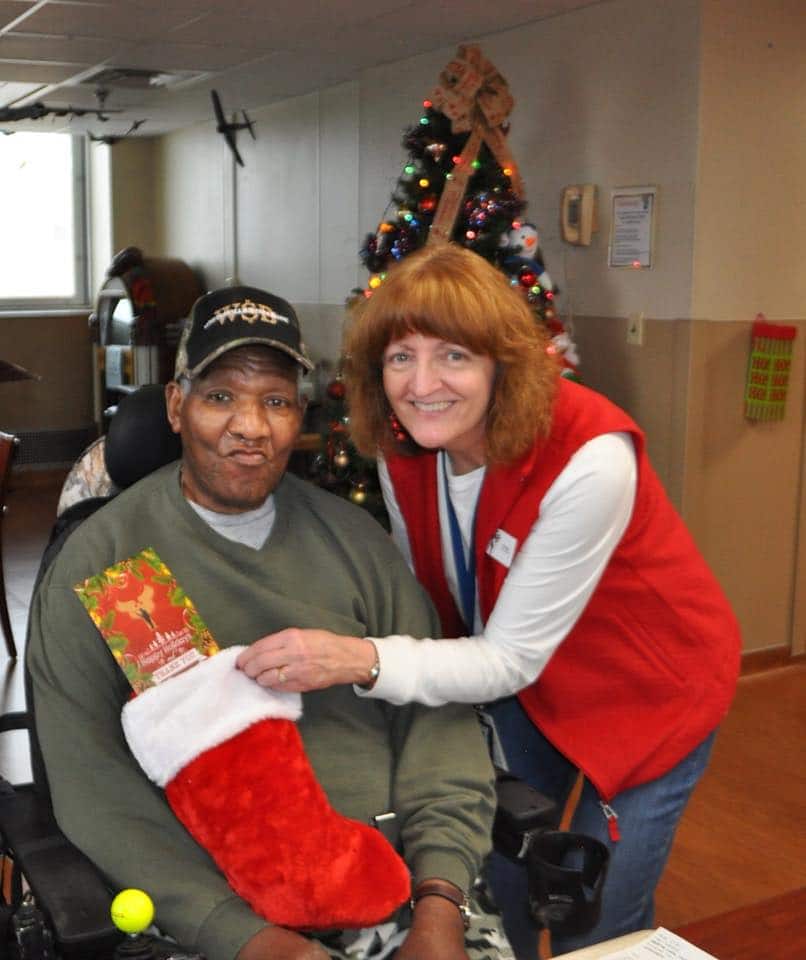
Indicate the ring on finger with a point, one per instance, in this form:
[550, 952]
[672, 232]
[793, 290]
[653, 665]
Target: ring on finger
[281, 677]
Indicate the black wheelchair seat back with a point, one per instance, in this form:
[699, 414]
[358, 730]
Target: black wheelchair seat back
[139, 441]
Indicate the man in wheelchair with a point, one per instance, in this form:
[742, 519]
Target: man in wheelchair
[256, 549]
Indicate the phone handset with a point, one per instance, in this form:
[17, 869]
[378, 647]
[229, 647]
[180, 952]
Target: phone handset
[578, 217]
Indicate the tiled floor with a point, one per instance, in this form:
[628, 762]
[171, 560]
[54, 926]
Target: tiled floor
[31, 513]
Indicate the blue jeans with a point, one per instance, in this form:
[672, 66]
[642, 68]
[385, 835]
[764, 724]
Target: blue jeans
[647, 820]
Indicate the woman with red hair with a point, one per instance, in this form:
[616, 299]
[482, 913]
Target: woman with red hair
[579, 610]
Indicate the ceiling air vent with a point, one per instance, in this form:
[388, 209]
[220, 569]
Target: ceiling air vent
[139, 79]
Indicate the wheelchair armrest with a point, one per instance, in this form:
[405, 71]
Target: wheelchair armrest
[67, 886]
[520, 811]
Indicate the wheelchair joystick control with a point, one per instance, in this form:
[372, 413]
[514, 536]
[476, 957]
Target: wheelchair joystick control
[132, 912]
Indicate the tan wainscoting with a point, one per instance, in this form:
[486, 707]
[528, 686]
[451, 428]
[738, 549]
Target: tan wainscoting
[58, 349]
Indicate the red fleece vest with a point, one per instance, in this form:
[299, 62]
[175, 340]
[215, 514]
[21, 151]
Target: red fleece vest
[650, 667]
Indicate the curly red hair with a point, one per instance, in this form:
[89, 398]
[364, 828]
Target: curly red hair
[446, 291]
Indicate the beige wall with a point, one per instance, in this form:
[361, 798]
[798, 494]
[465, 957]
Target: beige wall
[742, 481]
[189, 198]
[750, 237]
[133, 194]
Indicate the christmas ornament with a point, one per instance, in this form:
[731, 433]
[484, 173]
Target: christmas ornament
[358, 494]
[336, 389]
[521, 248]
[341, 459]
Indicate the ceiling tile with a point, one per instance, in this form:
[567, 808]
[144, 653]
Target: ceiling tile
[439, 22]
[334, 12]
[10, 10]
[187, 8]
[245, 87]
[115, 21]
[26, 46]
[186, 56]
[36, 72]
[226, 29]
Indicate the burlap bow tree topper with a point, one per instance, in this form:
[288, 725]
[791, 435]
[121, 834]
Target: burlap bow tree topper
[475, 97]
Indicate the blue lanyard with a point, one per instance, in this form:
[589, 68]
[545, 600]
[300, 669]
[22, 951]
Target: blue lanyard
[465, 570]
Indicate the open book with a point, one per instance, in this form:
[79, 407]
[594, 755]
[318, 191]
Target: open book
[660, 945]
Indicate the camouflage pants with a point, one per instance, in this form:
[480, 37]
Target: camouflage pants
[484, 940]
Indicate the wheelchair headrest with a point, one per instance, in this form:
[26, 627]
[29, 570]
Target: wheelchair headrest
[140, 439]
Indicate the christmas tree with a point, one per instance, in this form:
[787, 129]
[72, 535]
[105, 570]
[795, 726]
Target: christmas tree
[460, 184]
[339, 467]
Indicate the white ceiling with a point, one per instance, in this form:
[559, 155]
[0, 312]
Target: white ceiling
[254, 52]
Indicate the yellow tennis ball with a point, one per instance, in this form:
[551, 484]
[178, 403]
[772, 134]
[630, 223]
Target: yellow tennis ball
[132, 911]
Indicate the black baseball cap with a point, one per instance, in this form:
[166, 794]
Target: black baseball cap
[233, 317]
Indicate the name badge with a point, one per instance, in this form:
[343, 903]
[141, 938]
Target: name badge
[502, 547]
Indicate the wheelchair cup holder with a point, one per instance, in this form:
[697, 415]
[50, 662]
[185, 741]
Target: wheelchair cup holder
[566, 875]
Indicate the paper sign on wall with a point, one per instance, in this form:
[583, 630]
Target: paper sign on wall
[632, 227]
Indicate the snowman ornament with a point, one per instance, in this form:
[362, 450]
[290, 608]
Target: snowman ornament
[521, 250]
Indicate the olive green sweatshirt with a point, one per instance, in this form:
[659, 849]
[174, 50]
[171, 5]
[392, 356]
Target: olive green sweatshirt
[326, 564]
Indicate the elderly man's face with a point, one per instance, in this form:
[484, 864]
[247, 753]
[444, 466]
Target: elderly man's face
[238, 425]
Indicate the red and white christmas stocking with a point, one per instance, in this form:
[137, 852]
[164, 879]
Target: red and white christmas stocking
[234, 769]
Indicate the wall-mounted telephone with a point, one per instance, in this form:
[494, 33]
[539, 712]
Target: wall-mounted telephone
[578, 217]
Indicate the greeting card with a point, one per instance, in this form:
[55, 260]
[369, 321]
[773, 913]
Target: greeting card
[148, 621]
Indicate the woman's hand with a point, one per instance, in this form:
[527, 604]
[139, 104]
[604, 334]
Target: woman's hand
[302, 660]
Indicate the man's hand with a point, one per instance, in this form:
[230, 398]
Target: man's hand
[437, 932]
[277, 943]
[301, 660]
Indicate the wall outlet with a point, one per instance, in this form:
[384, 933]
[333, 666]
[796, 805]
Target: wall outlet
[635, 329]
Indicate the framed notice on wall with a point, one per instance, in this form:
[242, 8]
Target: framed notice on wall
[632, 227]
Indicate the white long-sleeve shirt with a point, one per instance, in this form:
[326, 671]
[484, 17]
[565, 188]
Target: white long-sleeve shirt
[582, 518]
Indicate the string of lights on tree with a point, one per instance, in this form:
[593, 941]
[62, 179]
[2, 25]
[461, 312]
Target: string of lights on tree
[490, 221]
